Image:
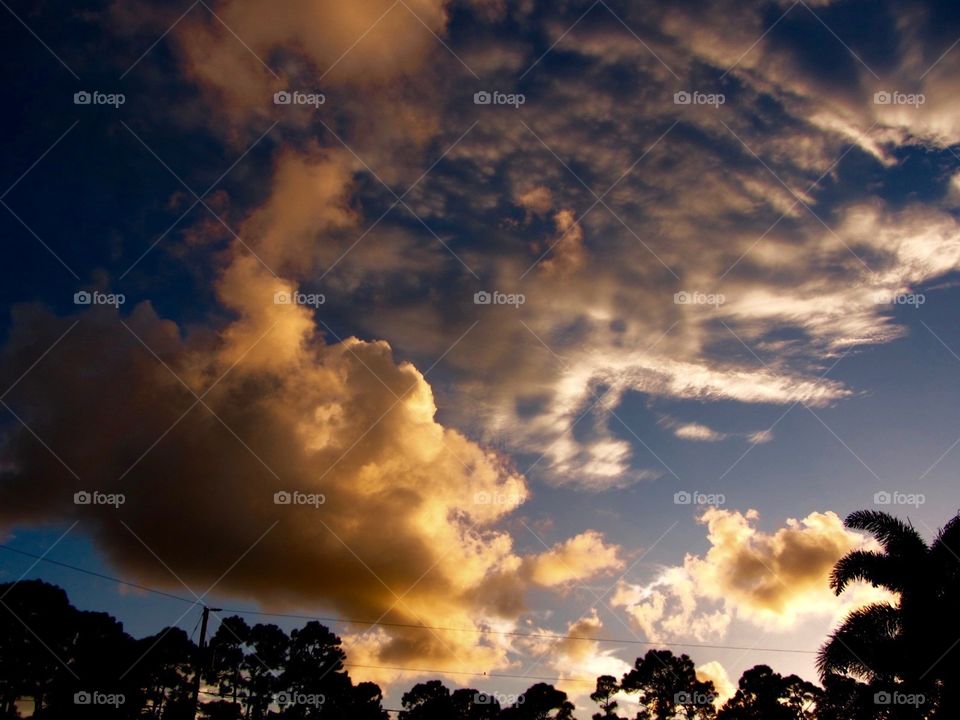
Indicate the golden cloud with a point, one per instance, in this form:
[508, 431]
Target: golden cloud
[578, 558]
[307, 473]
[773, 580]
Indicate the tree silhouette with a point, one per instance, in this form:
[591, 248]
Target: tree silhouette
[907, 646]
[470, 704]
[433, 701]
[100, 653]
[221, 710]
[607, 687]
[667, 685]
[27, 669]
[314, 671]
[540, 702]
[763, 694]
[315, 683]
[845, 698]
[262, 666]
[52, 656]
[226, 661]
[70, 665]
[164, 666]
[427, 701]
[367, 702]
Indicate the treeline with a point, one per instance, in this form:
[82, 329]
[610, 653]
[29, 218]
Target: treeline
[885, 662]
[69, 663]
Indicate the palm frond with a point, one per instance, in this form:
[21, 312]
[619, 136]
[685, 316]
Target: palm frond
[864, 645]
[873, 567]
[948, 539]
[896, 536]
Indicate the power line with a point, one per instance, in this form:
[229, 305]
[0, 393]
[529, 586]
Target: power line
[474, 674]
[517, 633]
[346, 621]
[96, 574]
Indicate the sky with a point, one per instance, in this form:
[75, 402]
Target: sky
[509, 319]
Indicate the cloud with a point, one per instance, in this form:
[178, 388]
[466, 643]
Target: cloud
[567, 253]
[716, 673]
[773, 580]
[578, 558]
[200, 427]
[293, 414]
[953, 193]
[537, 200]
[608, 324]
[669, 608]
[760, 437]
[309, 198]
[579, 657]
[374, 62]
[751, 200]
[772, 201]
[698, 432]
[367, 43]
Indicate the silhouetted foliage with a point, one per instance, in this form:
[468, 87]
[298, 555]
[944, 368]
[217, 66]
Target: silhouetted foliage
[55, 655]
[164, 667]
[607, 687]
[226, 659]
[882, 663]
[540, 702]
[433, 701]
[845, 698]
[73, 665]
[763, 694]
[907, 649]
[668, 685]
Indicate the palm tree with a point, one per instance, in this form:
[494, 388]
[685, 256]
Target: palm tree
[910, 644]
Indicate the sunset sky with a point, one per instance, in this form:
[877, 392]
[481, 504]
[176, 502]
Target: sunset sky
[574, 318]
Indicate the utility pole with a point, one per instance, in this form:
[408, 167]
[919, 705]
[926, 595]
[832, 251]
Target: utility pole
[201, 661]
